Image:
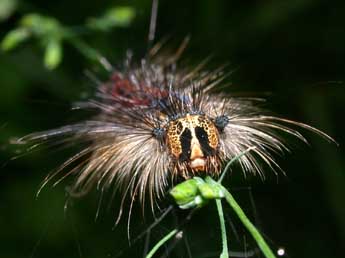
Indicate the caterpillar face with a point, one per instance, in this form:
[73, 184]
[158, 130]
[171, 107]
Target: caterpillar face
[191, 139]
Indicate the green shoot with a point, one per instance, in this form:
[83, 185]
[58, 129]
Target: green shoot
[197, 192]
[225, 252]
[161, 242]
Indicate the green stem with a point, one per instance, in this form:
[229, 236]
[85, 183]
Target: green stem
[81, 46]
[246, 222]
[161, 242]
[225, 252]
[227, 167]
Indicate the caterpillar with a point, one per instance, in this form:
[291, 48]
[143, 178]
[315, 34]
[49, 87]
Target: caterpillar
[157, 123]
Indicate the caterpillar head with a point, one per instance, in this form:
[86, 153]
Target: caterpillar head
[193, 141]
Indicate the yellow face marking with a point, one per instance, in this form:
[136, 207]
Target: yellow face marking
[192, 138]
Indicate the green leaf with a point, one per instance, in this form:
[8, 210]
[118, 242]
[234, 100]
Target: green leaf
[121, 16]
[185, 192]
[7, 8]
[195, 193]
[53, 54]
[14, 38]
[42, 26]
[212, 191]
[118, 16]
[31, 20]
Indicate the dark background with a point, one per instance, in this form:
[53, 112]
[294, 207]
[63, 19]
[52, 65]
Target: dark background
[291, 52]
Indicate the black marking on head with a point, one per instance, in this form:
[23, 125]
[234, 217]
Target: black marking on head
[185, 140]
[202, 136]
[179, 127]
[221, 122]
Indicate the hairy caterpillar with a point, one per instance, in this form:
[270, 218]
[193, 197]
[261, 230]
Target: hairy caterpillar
[157, 122]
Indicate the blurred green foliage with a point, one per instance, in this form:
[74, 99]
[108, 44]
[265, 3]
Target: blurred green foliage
[7, 7]
[51, 33]
[290, 52]
[119, 16]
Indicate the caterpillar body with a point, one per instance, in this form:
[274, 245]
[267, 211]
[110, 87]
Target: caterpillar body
[156, 123]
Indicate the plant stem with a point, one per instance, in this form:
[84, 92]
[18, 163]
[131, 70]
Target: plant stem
[161, 242]
[266, 250]
[86, 50]
[225, 252]
[227, 167]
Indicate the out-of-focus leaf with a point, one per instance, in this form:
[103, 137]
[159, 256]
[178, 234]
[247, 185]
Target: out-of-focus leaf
[46, 29]
[31, 20]
[14, 38]
[122, 16]
[118, 16]
[42, 25]
[51, 33]
[53, 54]
[7, 7]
